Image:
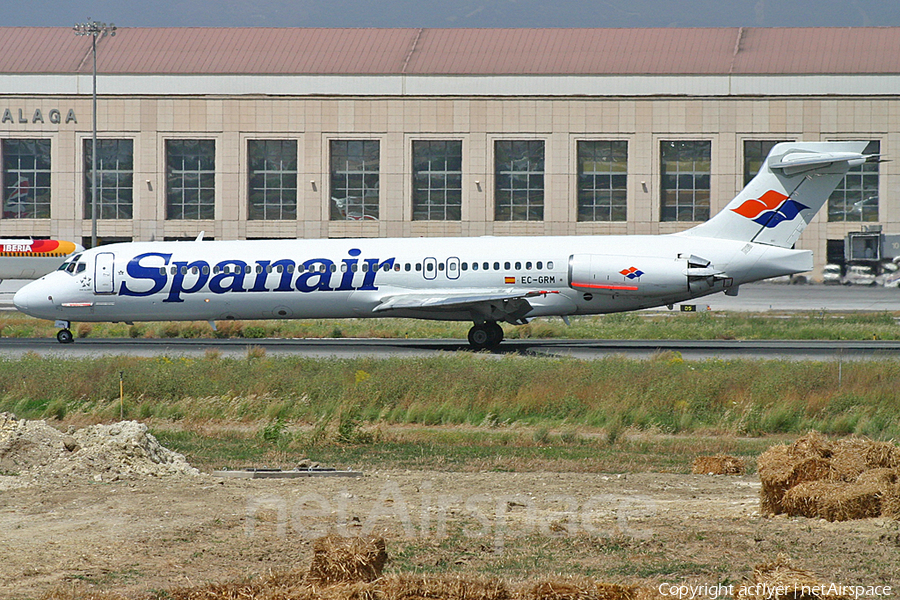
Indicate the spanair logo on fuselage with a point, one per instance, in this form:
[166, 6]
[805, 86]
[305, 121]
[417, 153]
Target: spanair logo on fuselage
[154, 272]
[631, 273]
[770, 209]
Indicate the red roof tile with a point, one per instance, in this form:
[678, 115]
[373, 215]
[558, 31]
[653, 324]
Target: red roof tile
[456, 51]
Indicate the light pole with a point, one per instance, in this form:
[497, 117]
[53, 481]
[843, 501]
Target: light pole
[94, 29]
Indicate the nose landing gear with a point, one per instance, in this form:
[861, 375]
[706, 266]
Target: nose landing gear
[485, 336]
[64, 336]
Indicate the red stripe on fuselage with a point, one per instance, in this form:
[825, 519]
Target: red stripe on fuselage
[631, 288]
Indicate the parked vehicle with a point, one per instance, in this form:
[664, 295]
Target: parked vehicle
[859, 275]
[831, 274]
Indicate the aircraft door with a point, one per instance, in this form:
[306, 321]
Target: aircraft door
[429, 268]
[103, 273]
[453, 268]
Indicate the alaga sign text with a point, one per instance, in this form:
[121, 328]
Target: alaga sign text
[54, 115]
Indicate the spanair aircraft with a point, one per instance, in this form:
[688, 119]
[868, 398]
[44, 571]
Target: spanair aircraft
[486, 280]
[30, 259]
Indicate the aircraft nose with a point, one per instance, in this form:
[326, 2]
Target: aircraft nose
[20, 299]
[32, 300]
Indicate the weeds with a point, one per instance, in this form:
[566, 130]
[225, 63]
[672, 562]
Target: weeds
[344, 396]
[702, 325]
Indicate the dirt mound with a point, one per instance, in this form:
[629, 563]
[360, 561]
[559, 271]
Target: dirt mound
[851, 478]
[36, 451]
[28, 444]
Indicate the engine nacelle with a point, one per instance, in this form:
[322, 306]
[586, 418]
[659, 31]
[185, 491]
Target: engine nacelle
[616, 275]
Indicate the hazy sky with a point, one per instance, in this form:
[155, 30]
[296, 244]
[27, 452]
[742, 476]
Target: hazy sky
[460, 13]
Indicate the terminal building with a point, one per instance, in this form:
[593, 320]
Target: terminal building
[252, 133]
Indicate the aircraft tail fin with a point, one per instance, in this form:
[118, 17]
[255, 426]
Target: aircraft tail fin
[793, 183]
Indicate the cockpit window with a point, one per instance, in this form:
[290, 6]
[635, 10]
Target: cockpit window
[81, 267]
[69, 265]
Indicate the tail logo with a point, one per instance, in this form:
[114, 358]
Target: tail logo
[770, 209]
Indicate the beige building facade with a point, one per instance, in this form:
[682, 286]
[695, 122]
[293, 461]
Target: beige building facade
[366, 155]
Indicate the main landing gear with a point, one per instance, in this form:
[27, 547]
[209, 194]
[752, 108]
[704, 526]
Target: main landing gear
[485, 336]
[64, 336]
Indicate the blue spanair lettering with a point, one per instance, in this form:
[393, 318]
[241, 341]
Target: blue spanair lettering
[350, 266]
[185, 269]
[313, 275]
[136, 270]
[287, 274]
[374, 267]
[313, 270]
[261, 276]
[234, 278]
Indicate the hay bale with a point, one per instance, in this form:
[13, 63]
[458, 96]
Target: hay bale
[890, 504]
[780, 580]
[718, 465]
[406, 587]
[338, 559]
[812, 445]
[578, 589]
[848, 459]
[883, 455]
[883, 477]
[834, 500]
[782, 470]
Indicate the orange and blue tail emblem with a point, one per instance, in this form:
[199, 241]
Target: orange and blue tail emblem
[770, 209]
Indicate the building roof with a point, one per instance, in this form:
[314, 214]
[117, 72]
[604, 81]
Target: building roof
[276, 51]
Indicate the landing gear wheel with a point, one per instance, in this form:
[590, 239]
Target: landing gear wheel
[486, 336]
[64, 336]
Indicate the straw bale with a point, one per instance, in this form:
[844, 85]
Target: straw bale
[890, 503]
[338, 559]
[849, 458]
[579, 589]
[405, 587]
[834, 500]
[718, 465]
[781, 470]
[884, 455]
[813, 444]
[781, 580]
[883, 477]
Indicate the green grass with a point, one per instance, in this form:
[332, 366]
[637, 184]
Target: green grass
[340, 397]
[653, 325]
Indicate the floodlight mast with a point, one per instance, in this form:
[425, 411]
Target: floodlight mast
[94, 29]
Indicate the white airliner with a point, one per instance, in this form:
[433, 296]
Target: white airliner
[30, 259]
[485, 280]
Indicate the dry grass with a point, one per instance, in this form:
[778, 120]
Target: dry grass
[780, 580]
[345, 568]
[851, 478]
[718, 465]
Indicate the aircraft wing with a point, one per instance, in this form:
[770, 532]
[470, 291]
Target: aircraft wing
[509, 305]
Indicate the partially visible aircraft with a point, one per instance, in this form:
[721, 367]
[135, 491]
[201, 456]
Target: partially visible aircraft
[486, 280]
[30, 259]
